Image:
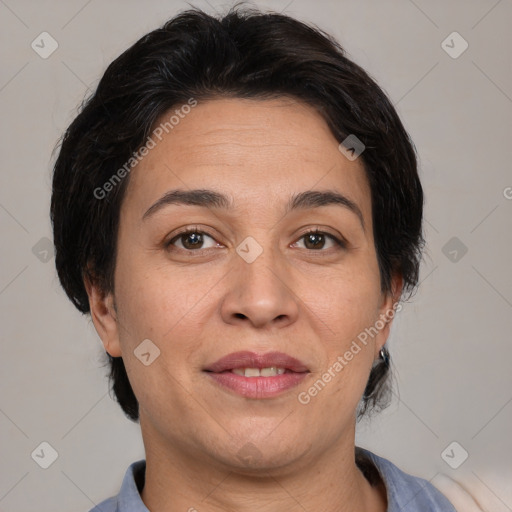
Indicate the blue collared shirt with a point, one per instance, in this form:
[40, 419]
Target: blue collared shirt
[406, 493]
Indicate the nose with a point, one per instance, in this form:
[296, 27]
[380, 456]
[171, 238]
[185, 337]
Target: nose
[260, 293]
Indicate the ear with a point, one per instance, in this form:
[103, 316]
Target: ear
[387, 311]
[104, 316]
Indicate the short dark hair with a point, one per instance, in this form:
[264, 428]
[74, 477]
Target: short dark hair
[244, 54]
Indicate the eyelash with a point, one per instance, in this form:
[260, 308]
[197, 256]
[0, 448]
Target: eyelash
[341, 244]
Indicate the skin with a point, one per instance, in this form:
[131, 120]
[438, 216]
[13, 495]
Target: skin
[308, 301]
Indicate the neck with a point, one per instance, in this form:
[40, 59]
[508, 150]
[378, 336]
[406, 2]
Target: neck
[178, 481]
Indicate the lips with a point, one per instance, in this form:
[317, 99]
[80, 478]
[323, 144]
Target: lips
[257, 376]
[252, 360]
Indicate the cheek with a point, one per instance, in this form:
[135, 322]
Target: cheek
[153, 299]
[348, 301]
[346, 306]
[350, 307]
[168, 308]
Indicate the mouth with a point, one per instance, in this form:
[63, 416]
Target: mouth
[257, 375]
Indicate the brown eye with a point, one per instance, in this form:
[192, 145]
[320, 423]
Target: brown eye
[191, 240]
[316, 240]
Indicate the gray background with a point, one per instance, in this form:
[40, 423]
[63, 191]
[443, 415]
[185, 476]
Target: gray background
[450, 345]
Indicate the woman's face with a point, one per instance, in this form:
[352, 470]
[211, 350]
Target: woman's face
[248, 279]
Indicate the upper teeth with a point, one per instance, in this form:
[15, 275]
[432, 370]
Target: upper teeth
[256, 372]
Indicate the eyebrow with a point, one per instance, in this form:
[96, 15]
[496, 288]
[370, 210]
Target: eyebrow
[212, 199]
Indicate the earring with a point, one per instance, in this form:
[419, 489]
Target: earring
[384, 355]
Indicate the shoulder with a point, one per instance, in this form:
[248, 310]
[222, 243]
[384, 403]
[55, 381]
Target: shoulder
[407, 492]
[128, 499]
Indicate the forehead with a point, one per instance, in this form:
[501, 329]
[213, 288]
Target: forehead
[254, 151]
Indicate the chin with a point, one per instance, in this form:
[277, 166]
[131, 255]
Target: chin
[263, 456]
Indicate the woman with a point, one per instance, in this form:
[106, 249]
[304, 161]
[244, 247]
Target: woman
[238, 209]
